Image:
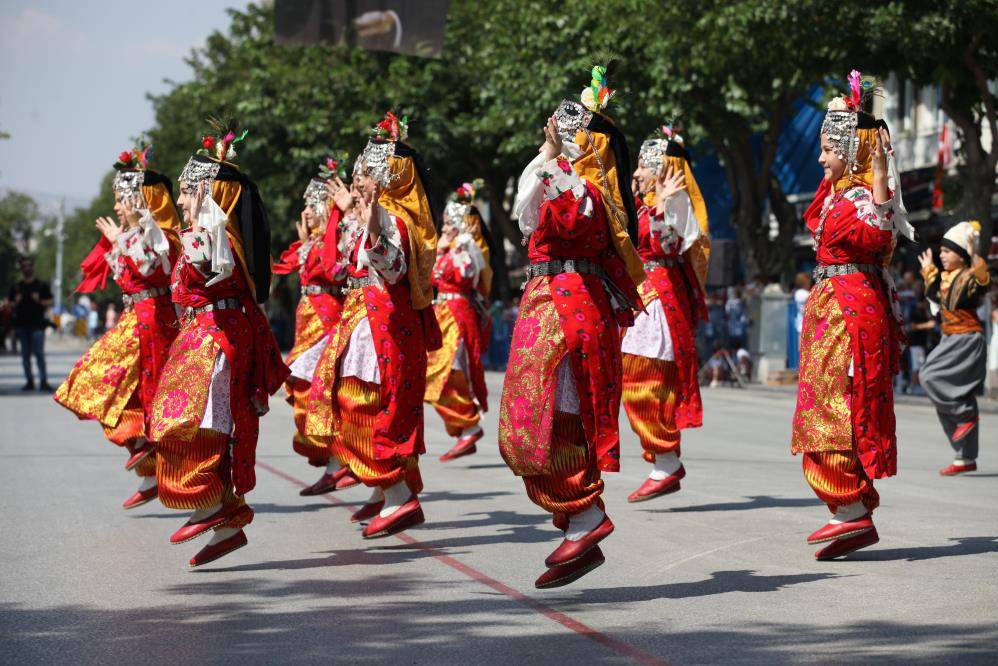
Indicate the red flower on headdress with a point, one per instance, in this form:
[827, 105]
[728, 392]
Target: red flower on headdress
[208, 142]
[332, 164]
[390, 126]
[125, 157]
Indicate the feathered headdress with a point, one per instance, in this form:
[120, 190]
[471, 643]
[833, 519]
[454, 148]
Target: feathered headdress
[391, 128]
[598, 94]
[221, 145]
[466, 192]
[335, 166]
[137, 158]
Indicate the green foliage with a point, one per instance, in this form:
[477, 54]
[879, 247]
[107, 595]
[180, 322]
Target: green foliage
[79, 237]
[728, 70]
[18, 214]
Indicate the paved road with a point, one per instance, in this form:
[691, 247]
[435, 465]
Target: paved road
[718, 573]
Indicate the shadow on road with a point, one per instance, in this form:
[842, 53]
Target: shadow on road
[720, 582]
[751, 502]
[963, 546]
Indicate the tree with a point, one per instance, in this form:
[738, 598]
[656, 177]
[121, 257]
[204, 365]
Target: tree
[951, 45]
[733, 72]
[18, 215]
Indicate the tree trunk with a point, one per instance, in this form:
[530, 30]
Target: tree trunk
[977, 173]
[502, 227]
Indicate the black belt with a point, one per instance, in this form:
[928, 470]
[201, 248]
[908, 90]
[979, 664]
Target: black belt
[823, 272]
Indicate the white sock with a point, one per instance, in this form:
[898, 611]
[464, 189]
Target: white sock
[666, 464]
[963, 462]
[140, 443]
[222, 534]
[332, 466]
[395, 497]
[376, 496]
[848, 513]
[147, 482]
[583, 523]
[200, 514]
[473, 430]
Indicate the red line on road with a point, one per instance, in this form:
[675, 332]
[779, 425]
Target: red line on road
[566, 621]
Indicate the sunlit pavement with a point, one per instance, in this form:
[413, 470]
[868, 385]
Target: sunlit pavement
[717, 573]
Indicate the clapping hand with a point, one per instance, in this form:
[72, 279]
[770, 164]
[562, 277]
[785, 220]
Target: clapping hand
[302, 226]
[340, 193]
[552, 140]
[109, 228]
[668, 184]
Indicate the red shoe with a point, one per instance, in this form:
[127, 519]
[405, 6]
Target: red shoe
[368, 511]
[408, 515]
[325, 484]
[833, 531]
[464, 447]
[569, 551]
[954, 469]
[563, 574]
[139, 456]
[213, 551]
[841, 547]
[964, 429]
[141, 497]
[192, 530]
[345, 478]
[651, 488]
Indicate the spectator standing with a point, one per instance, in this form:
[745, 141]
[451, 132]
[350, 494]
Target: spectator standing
[93, 321]
[31, 297]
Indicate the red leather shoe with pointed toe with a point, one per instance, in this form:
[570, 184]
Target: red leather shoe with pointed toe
[213, 551]
[833, 531]
[563, 574]
[194, 529]
[408, 515]
[964, 429]
[841, 547]
[651, 488]
[325, 484]
[464, 447]
[345, 478]
[573, 550]
[955, 470]
[366, 512]
[139, 456]
[141, 497]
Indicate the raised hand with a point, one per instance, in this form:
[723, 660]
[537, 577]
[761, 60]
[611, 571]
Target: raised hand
[552, 140]
[925, 259]
[108, 227]
[340, 193]
[668, 184]
[132, 214]
[302, 226]
[198, 203]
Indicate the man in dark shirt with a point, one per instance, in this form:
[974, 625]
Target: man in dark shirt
[30, 298]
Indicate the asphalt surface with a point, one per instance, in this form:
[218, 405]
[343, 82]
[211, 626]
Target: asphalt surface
[717, 573]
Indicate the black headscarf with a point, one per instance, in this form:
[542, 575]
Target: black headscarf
[422, 172]
[622, 155]
[253, 227]
[156, 178]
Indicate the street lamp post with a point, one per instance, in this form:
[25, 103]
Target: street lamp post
[57, 278]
